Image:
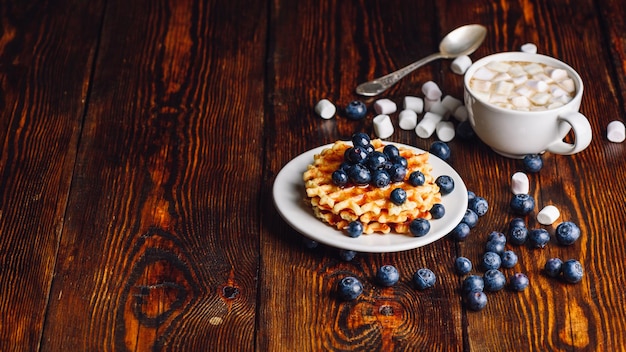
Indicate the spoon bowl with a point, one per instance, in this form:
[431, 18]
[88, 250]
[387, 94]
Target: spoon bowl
[463, 40]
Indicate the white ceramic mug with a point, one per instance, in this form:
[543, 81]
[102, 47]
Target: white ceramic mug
[515, 133]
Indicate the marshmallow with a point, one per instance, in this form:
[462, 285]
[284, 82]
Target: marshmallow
[529, 48]
[539, 86]
[484, 74]
[498, 66]
[451, 103]
[548, 215]
[558, 74]
[540, 98]
[427, 126]
[429, 103]
[439, 109]
[568, 85]
[461, 114]
[385, 106]
[325, 109]
[460, 64]
[431, 90]
[615, 131]
[533, 68]
[520, 101]
[407, 119]
[383, 126]
[414, 103]
[445, 131]
[520, 183]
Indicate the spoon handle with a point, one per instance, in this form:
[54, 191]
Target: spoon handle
[379, 85]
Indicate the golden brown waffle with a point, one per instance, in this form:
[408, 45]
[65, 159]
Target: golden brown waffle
[338, 206]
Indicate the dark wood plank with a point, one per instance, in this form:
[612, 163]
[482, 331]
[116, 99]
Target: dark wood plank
[46, 57]
[160, 248]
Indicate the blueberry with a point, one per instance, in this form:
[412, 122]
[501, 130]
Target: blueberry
[494, 280]
[398, 196]
[532, 162]
[391, 151]
[356, 110]
[518, 235]
[355, 155]
[460, 231]
[419, 227]
[360, 139]
[522, 204]
[567, 233]
[400, 160]
[496, 236]
[473, 283]
[470, 218]
[350, 288]
[462, 265]
[464, 130]
[494, 246]
[538, 238]
[397, 172]
[440, 149]
[518, 282]
[355, 229]
[437, 211]
[515, 222]
[368, 148]
[491, 260]
[387, 275]
[340, 177]
[424, 278]
[572, 271]
[476, 300]
[360, 175]
[479, 205]
[309, 243]
[445, 183]
[417, 178]
[509, 259]
[346, 255]
[470, 197]
[376, 160]
[553, 267]
[381, 178]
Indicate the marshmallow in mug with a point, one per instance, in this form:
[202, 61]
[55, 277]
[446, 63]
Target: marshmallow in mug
[522, 85]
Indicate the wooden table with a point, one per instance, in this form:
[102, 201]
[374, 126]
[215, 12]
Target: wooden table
[139, 145]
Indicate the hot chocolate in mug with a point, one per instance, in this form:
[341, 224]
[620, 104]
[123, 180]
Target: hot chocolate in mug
[523, 125]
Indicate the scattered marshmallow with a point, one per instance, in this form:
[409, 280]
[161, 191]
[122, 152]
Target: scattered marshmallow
[325, 109]
[414, 103]
[431, 90]
[451, 103]
[407, 119]
[427, 126]
[615, 131]
[383, 128]
[439, 109]
[529, 48]
[429, 103]
[461, 114]
[520, 183]
[385, 106]
[548, 215]
[445, 131]
[460, 64]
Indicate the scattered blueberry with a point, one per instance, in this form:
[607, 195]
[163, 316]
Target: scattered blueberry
[553, 267]
[567, 233]
[360, 139]
[491, 260]
[518, 235]
[440, 149]
[522, 204]
[464, 130]
[517, 222]
[360, 175]
[470, 197]
[494, 246]
[437, 211]
[309, 243]
[494, 280]
[445, 183]
[387, 275]
[424, 278]
[460, 231]
[350, 288]
[346, 255]
[398, 196]
[509, 259]
[355, 229]
[518, 282]
[473, 283]
[495, 236]
[356, 110]
[532, 162]
[539, 238]
[476, 300]
[340, 177]
[572, 271]
[417, 178]
[462, 265]
[381, 179]
[479, 205]
[419, 227]
[391, 151]
[470, 218]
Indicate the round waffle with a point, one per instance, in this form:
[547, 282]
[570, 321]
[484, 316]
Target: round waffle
[338, 206]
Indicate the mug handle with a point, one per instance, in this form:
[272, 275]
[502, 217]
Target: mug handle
[582, 134]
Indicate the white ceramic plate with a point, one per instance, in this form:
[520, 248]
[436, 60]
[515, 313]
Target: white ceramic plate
[290, 195]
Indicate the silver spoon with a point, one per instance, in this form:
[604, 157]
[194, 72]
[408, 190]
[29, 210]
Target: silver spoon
[461, 41]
